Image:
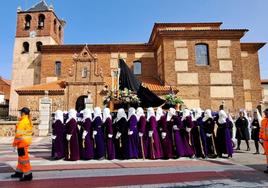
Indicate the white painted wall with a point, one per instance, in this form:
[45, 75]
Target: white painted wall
[2, 98]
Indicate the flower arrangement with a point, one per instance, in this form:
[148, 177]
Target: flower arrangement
[172, 99]
[125, 96]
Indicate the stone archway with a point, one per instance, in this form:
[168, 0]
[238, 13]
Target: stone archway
[80, 103]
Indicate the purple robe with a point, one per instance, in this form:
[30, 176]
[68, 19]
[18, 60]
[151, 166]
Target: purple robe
[179, 148]
[109, 141]
[142, 140]
[121, 142]
[224, 140]
[58, 143]
[72, 145]
[99, 138]
[131, 150]
[154, 144]
[186, 137]
[209, 126]
[167, 141]
[87, 148]
[199, 138]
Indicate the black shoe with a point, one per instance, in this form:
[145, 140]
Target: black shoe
[237, 149]
[28, 177]
[266, 171]
[248, 149]
[256, 153]
[17, 175]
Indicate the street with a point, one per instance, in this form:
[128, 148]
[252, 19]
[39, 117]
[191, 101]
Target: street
[243, 170]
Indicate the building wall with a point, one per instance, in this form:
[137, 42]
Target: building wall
[205, 86]
[251, 79]
[5, 88]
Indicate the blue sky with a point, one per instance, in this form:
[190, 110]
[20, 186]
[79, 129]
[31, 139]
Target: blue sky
[121, 21]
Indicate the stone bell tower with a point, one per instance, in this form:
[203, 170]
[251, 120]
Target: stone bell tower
[36, 26]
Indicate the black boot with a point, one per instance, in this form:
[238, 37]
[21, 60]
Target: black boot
[27, 177]
[17, 175]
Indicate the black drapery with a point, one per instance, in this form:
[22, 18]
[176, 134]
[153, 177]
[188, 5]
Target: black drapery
[128, 80]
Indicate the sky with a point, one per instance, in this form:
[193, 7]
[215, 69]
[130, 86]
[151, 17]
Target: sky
[123, 21]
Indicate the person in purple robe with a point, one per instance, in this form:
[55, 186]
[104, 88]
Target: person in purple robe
[120, 131]
[166, 135]
[58, 136]
[108, 125]
[209, 126]
[185, 132]
[198, 135]
[98, 134]
[131, 150]
[142, 133]
[72, 153]
[223, 135]
[154, 144]
[87, 149]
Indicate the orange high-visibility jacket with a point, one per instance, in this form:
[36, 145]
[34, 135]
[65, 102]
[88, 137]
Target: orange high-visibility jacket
[264, 130]
[24, 131]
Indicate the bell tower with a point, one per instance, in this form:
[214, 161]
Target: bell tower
[36, 26]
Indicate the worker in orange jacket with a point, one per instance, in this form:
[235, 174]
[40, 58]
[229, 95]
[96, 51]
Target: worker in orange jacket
[22, 141]
[264, 136]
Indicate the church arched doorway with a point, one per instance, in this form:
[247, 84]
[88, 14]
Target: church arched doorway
[80, 103]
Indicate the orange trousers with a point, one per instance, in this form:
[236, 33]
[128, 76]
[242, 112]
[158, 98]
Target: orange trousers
[24, 165]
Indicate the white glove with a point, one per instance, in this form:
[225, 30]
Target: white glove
[208, 135]
[254, 127]
[151, 133]
[84, 134]
[118, 134]
[94, 133]
[261, 141]
[188, 129]
[53, 137]
[163, 135]
[68, 137]
[140, 134]
[175, 127]
[130, 132]
[110, 136]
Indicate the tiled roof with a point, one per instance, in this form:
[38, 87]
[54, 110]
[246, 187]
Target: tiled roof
[151, 83]
[8, 82]
[57, 86]
[41, 6]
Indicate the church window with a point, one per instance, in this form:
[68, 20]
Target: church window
[57, 68]
[28, 19]
[137, 67]
[38, 46]
[201, 54]
[55, 26]
[41, 21]
[60, 32]
[25, 47]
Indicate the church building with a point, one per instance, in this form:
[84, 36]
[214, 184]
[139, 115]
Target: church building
[206, 65]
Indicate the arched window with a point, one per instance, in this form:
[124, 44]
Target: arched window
[201, 54]
[57, 68]
[137, 67]
[41, 21]
[25, 47]
[38, 46]
[28, 19]
[55, 26]
[60, 32]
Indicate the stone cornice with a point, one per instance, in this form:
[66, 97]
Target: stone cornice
[252, 46]
[97, 48]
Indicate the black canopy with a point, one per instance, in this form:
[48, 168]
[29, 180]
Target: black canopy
[128, 80]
